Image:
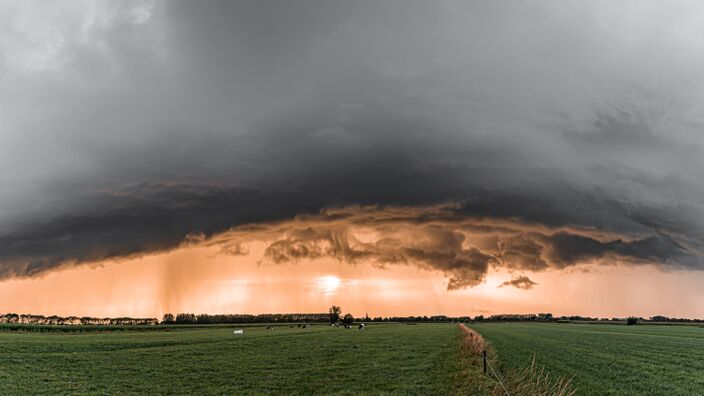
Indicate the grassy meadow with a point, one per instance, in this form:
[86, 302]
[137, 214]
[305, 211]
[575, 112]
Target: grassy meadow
[384, 358]
[606, 359]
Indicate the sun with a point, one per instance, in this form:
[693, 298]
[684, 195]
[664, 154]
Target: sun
[327, 284]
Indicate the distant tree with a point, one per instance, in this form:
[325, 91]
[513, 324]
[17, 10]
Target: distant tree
[168, 319]
[185, 318]
[479, 318]
[545, 316]
[204, 319]
[335, 313]
[632, 320]
[348, 319]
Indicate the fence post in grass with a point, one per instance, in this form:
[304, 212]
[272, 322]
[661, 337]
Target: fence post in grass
[484, 355]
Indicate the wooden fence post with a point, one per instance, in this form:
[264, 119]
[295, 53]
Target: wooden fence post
[484, 354]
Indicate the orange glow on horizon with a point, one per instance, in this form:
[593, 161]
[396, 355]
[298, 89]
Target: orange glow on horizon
[197, 279]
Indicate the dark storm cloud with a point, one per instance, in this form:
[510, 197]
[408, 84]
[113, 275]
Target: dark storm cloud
[128, 127]
[140, 220]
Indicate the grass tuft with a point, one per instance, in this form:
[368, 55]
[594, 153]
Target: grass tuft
[533, 380]
[473, 343]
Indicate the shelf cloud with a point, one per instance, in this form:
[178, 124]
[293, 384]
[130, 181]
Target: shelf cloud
[456, 136]
[441, 238]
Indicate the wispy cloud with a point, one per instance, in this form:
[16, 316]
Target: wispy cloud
[520, 282]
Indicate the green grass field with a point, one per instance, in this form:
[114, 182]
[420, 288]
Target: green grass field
[385, 358]
[607, 359]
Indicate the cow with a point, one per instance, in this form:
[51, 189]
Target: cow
[361, 326]
[239, 331]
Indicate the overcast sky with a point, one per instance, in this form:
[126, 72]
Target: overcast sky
[126, 126]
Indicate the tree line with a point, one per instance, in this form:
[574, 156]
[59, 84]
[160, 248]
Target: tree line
[335, 315]
[189, 318]
[548, 317]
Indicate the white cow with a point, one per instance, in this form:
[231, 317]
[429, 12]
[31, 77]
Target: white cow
[240, 331]
[361, 326]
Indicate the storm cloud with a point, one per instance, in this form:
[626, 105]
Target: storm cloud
[440, 238]
[129, 126]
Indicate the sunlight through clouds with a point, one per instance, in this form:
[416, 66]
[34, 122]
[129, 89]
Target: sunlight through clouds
[327, 284]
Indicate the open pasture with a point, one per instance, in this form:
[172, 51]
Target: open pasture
[606, 359]
[384, 358]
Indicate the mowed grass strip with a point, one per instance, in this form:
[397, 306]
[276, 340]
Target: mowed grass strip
[383, 359]
[607, 359]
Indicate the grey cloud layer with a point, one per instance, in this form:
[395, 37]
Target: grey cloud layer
[129, 126]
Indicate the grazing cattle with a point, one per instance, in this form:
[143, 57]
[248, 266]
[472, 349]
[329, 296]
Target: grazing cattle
[361, 326]
[239, 331]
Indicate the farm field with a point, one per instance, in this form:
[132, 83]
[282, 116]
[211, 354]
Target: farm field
[384, 358]
[606, 359]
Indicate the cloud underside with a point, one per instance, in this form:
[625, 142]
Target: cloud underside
[450, 238]
[441, 188]
[440, 238]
